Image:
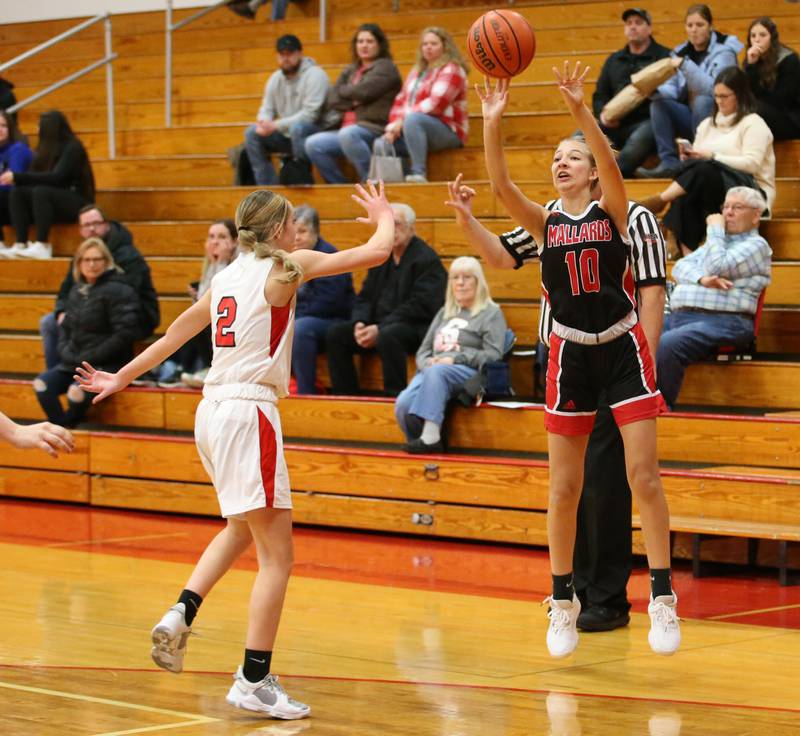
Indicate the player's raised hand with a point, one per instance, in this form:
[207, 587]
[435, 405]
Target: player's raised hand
[46, 436]
[460, 196]
[570, 84]
[97, 382]
[373, 201]
[494, 98]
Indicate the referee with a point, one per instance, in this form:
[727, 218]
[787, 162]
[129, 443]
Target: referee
[603, 555]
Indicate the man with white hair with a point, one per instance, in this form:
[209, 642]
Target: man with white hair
[717, 290]
[392, 311]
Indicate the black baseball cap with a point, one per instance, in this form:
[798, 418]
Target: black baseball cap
[641, 12]
[289, 43]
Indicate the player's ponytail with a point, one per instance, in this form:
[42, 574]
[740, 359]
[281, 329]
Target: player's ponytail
[260, 218]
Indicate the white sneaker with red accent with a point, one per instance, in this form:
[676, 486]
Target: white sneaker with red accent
[665, 629]
[562, 634]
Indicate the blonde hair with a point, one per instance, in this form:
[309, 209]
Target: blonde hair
[450, 52]
[260, 219]
[472, 267]
[82, 248]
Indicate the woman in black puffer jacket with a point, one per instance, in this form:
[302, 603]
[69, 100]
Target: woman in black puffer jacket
[101, 319]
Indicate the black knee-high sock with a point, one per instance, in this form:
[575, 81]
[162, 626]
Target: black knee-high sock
[563, 589]
[256, 664]
[191, 601]
[661, 581]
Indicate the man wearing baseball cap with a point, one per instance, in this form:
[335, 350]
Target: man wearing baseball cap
[633, 134]
[290, 111]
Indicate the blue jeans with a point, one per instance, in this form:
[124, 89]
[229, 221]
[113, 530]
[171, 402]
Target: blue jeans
[672, 119]
[422, 133]
[634, 142]
[57, 381]
[354, 142]
[260, 147]
[427, 395]
[309, 341]
[48, 329]
[278, 8]
[689, 337]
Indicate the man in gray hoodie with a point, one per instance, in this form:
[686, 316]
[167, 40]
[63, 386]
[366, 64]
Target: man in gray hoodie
[290, 110]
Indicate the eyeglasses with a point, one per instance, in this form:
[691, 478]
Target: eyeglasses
[98, 259]
[91, 225]
[738, 207]
[725, 96]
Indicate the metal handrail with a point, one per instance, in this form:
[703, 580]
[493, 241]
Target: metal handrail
[171, 27]
[105, 61]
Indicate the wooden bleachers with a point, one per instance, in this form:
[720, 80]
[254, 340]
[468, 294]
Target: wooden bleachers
[168, 185]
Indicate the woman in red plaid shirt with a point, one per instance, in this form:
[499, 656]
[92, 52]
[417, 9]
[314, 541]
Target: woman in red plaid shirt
[430, 112]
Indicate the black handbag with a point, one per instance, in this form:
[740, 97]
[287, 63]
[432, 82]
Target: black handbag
[295, 172]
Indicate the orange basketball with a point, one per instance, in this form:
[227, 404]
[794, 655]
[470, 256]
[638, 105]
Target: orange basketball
[501, 43]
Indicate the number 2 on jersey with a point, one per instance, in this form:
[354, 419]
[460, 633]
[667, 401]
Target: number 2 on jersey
[225, 337]
[588, 278]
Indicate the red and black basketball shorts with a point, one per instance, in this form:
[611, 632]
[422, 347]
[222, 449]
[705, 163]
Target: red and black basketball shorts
[578, 373]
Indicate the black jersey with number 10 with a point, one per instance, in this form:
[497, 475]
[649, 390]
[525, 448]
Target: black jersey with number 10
[587, 273]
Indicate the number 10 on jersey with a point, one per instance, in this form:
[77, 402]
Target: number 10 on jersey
[584, 273]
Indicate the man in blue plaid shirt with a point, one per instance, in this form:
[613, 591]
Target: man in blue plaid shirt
[717, 290]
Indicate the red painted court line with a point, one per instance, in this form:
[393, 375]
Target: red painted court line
[422, 683]
[488, 570]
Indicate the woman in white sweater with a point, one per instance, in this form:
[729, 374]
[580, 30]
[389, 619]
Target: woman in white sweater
[733, 147]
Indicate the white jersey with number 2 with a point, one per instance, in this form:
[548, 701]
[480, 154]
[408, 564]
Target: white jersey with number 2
[252, 339]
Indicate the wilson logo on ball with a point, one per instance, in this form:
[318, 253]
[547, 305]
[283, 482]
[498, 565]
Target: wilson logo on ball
[501, 43]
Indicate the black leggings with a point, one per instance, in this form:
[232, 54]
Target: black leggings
[5, 214]
[43, 205]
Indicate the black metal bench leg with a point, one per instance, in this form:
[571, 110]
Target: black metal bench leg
[697, 570]
[752, 551]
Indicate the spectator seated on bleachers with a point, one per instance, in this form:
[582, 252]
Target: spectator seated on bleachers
[682, 102]
[55, 187]
[191, 362]
[101, 318]
[92, 223]
[633, 134]
[359, 105]
[717, 291]
[774, 73]
[733, 147]
[320, 304]
[290, 111]
[15, 156]
[467, 332]
[430, 111]
[249, 8]
[392, 311]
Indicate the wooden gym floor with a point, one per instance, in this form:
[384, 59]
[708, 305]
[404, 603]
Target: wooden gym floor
[380, 635]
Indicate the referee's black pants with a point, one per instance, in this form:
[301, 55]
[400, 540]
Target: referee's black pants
[603, 557]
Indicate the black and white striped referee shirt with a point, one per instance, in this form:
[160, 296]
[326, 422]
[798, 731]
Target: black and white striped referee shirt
[649, 254]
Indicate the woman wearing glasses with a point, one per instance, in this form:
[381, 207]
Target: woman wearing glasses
[101, 318]
[733, 147]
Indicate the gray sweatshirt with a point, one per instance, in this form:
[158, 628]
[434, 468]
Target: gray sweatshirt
[469, 339]
[289, 100]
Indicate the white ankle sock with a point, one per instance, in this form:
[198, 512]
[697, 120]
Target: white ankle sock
[431, 433]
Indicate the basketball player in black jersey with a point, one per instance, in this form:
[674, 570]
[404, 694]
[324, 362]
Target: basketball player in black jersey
[596, 344]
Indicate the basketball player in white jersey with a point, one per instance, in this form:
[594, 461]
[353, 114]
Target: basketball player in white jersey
[596, 344]
[237, 427]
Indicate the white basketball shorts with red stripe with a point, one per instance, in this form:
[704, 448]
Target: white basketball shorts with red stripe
[241, 447]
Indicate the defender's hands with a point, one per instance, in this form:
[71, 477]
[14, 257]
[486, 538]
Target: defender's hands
[460, 197]
[97, 382]
[373, 201]
[494, 98]
[46, 436]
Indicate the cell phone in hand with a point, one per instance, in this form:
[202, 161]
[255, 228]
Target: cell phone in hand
[684, 144]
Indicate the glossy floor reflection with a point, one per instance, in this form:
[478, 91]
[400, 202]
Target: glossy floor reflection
[379, 636]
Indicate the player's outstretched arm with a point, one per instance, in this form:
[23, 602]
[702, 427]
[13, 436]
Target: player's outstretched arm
[614, 199]
[372, 253]
[186, 326]
[45, 436]
[485, 242]
[494, 100]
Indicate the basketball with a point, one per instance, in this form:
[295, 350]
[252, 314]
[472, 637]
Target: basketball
[501, 43]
